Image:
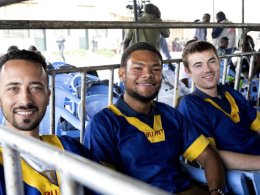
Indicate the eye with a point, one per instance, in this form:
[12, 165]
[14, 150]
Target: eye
[212, 61]
[36, 88]
[198, 65]
[12, 89]
[137, 68]
[157, 69]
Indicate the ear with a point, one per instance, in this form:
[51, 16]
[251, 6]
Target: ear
[187, 70]
[121, 74]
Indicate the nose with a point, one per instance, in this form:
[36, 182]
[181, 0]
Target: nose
[148, 73]
[207, 67]
[25, 96]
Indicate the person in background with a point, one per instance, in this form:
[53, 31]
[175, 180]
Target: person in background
[24, 96]
[222, 114]
[218, 33]
[61, 40]
[152, 36]
[201, 33]
[144, 138]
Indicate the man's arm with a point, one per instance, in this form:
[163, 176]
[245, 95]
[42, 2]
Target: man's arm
[214, 169]
[234, 160]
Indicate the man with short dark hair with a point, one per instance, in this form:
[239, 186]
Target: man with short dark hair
[24, 96]
[144, 138]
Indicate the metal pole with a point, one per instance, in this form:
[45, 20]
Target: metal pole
[224, 75]
[83, 105]
[238, 72]
[12, 170]
[110, 87]
[176, 84]
[250, 75]
[136, 19]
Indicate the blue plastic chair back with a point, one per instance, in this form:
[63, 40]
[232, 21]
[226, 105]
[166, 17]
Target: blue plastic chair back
[94, 103]
[76, 81]
[57, 65]
[64, 80]
[45, 128]
[64, 98]
[99, 88]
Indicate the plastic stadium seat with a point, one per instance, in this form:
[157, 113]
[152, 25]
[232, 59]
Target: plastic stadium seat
[57, 65]
[64, 80]
[76, 81]
[60, 112]
[94, 103]
[65, 98]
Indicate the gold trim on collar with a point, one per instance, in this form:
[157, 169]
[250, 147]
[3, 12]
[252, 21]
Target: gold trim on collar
[234, 116]
[155, 134]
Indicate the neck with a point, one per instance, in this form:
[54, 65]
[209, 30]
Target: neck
[213, 92]
[32, 133]
[137, 105]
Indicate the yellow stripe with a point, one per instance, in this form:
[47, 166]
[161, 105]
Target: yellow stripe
[212, 141]
[153, 135]
[255, 125]
[34, 178]
[195, 149]
[234, 116]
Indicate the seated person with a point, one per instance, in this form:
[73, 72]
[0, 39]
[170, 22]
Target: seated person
[219, 112]
[24, 96]
[144, 138]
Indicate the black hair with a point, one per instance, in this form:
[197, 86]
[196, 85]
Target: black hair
[221, 16]
[138, 46]
[152, 9]
[23, 55]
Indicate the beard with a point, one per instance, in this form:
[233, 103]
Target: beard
[142, 98]
[26, 124]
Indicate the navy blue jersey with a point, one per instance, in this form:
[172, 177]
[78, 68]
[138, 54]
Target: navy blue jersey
[145, 147]
[229, 122]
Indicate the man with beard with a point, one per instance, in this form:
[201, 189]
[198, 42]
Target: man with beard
[144, 138]
[24, 96]
[222, 114]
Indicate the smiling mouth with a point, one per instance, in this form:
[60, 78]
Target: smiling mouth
[24, 113]
[208, 76]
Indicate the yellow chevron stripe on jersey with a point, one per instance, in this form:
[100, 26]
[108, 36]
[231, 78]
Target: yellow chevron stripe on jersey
[155, 134]
[255, 125]
[234, 116]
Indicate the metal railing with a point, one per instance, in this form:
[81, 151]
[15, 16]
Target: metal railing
[84, 172]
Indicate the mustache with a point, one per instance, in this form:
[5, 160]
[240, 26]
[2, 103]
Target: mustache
[25, 107]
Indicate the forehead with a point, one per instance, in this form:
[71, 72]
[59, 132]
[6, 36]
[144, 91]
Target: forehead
[201, 56]
[21, 70]
[144, 55]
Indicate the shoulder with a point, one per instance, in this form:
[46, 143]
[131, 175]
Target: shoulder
[166, 110]
[191, 99]
[72, 145]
